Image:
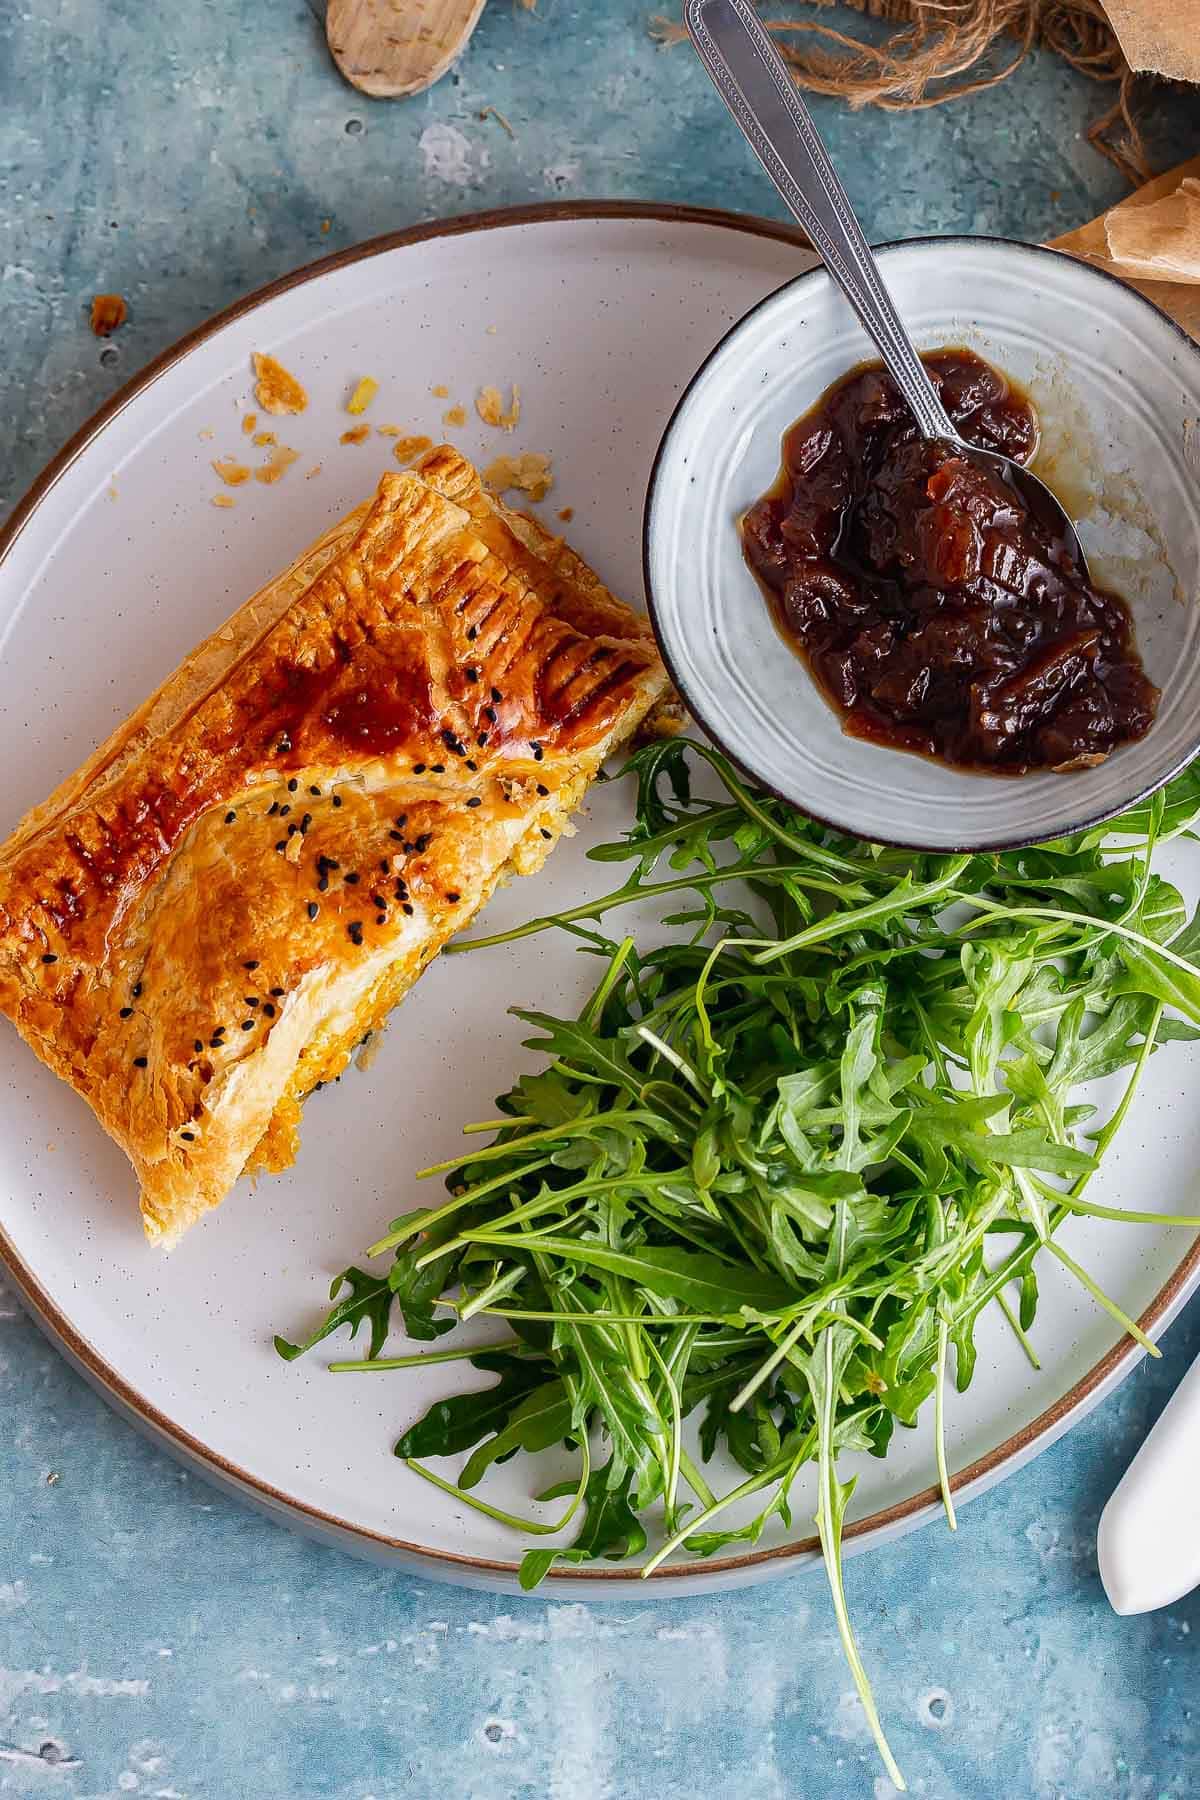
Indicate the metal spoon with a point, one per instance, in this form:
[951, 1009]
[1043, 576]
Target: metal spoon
[752, 79]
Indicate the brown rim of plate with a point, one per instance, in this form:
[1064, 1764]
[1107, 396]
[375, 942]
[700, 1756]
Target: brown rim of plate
[126, 1398]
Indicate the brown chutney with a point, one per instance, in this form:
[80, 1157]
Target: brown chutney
[935, 612]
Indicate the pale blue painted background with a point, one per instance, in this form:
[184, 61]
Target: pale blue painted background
[163, 1641]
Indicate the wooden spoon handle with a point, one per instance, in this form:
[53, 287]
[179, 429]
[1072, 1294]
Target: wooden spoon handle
[392, 47]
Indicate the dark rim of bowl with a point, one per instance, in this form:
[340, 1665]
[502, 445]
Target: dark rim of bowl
[979, 846]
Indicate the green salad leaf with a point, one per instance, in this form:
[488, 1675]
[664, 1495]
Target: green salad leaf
[781, 1162]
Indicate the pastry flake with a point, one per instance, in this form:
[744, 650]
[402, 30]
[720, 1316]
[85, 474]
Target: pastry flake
[203, 922]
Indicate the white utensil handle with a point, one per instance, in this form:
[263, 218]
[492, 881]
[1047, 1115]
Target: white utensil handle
[1149, 1537]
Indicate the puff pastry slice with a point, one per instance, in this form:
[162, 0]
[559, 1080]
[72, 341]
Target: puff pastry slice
[203, 921]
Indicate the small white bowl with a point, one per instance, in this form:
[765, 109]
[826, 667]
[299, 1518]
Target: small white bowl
[1117, 387]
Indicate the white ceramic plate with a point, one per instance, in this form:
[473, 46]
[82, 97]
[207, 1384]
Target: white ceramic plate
[113, 568]
[1117, 388]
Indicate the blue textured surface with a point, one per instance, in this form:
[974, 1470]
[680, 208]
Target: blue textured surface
[160, 1640]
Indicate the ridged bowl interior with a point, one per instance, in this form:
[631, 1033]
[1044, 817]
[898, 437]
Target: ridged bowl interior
[1117, 387]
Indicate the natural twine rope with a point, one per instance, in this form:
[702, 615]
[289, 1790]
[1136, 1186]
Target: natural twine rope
[948, 48]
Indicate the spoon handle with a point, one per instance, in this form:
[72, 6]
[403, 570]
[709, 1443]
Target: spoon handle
[752, 79]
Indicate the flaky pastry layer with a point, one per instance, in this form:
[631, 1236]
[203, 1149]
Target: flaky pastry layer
[202, 922]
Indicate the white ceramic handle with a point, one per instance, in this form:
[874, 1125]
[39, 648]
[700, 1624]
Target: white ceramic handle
[1149, 1537]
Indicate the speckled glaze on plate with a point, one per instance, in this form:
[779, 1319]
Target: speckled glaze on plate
[112, 568]
[1117, 388]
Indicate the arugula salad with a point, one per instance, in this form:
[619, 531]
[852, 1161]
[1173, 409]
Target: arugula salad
[778, 1166]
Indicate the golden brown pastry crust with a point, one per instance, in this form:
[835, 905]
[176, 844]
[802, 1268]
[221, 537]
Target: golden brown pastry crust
[202, 922]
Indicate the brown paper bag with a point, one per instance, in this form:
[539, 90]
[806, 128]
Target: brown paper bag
[1159, 36]
[1152, 240]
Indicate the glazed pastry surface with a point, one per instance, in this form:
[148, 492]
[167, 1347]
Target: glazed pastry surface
[202, 923]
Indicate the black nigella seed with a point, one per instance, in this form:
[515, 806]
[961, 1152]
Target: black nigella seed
[497, 695]
[355, 930]
[380, 919]
[268, 1009]
[397, 837]
[471, 764]
[285, 744]
[418, 768]
[305, 822]
[471, 674]
[481, 740]
[317, 1086]
[189, 1137]
[352, 879]
[437, 768]
[284, 811]
[454, 899]
[127, 1012]
[293, 784]
[230, 817]
[281, 846]
[141, 1062]
[313, 909]
[402, 820]
[49, 957]
[293, 828]
[546, 834]
[278, 993]
[272, 809]
[489, 713]
[542, 789]
[215, 1042]
[250, 999]
[197, 1045]
[315, 792]
[337, 799]
[538, 752]
[247, 1024]
[472, 633]
[137, 990]
[407, 908]
[252, 964]
[378, 900]
[323, 884]
[474, 800]
[423, 842]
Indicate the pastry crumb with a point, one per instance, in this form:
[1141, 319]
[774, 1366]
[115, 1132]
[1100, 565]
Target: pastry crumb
[405, 448]
[440, 392]
[223, 500]
[112, 491]
[363, 395]
[529, 473]
[491, 330]
[249, 423]
[390, 430]
[566, 514]
[232, 472]
[315, 470]
[109, 313]
[489, 404]
[357, 434]
[263, 438]
[206, 434]
[282, 458]
[277, 391]
[455, 415]
[326, 227]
